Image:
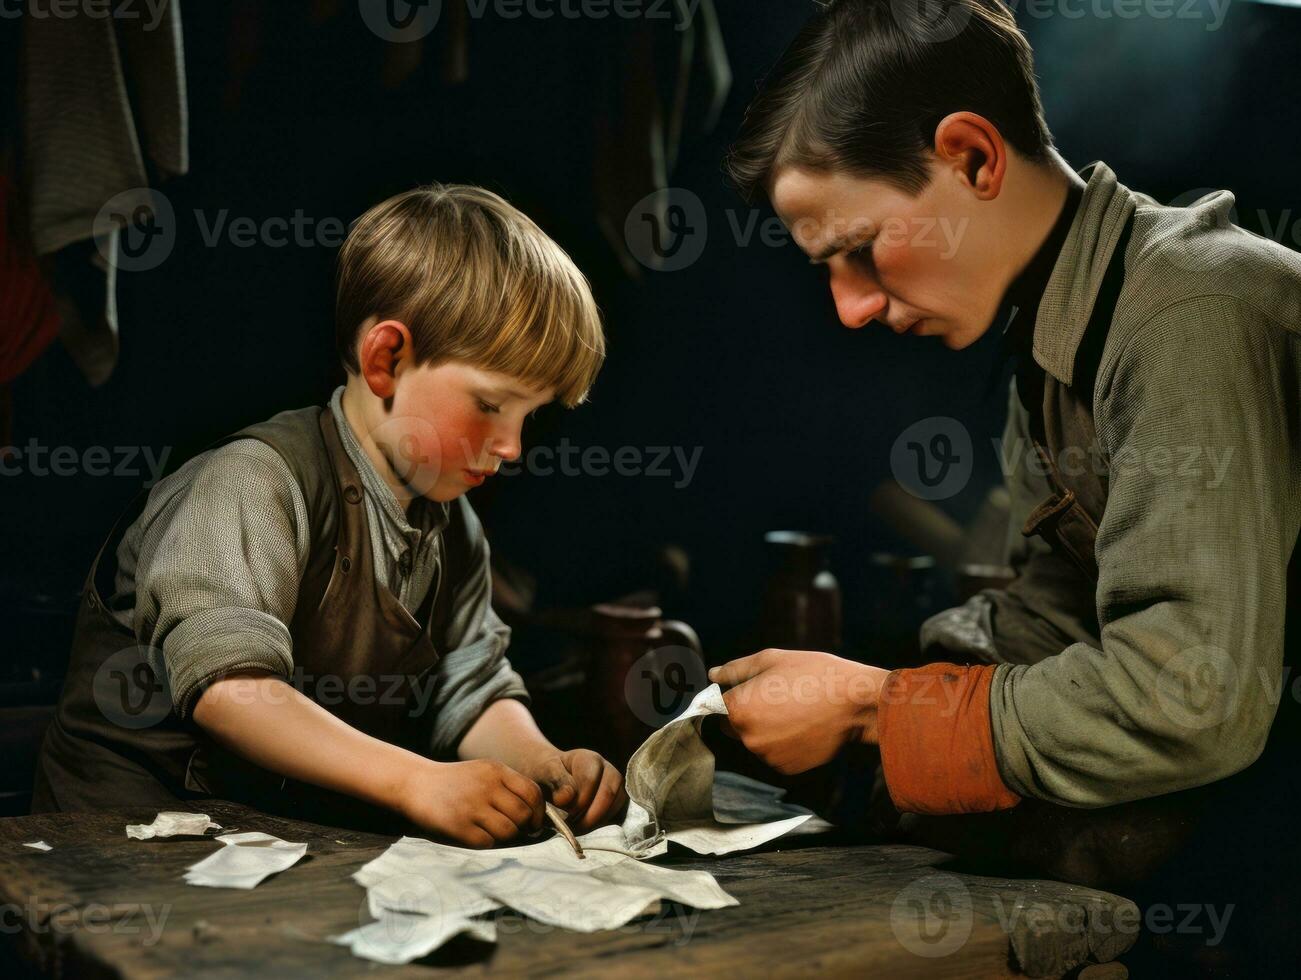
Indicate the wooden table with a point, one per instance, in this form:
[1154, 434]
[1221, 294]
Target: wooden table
[100, 904]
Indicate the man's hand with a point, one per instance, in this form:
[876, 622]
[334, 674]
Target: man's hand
[581, 783]
[477, 804]
[795, 709]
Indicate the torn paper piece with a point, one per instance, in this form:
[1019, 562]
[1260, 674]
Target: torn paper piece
[245, 860]
[426, 891]
[39, 845]
[398, 937]
[570, 899]
[169, 823]
[710, 837]
[698, 889]
[603, 846]
[670, 786]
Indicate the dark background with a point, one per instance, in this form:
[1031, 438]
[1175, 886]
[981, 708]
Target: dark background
[740, 353]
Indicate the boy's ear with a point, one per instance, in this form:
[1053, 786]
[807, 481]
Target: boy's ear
[973, 148]
[384, 346]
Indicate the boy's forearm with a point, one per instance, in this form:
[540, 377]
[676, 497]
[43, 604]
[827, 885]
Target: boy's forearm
[278, 728]
[506, 732]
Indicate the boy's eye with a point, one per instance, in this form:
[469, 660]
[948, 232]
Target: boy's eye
[863, 253]
[488, 409]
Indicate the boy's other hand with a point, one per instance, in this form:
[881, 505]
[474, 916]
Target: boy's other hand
[583, 784]
[477, 804]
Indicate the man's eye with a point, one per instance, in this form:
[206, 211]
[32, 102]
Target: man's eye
[488, 409]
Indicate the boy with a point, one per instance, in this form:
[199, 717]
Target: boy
[1139, 652]
[302, 615]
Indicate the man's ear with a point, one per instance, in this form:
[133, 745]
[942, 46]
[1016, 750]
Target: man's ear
[385, 345]
[973, 148]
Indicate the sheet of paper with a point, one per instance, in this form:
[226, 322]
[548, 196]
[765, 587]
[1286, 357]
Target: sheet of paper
[245, 860]
[398, 938]
[571, 899]
[428, 892]
[697, 889]
[546, 881]
[169, 823]
[409, 878]
[39, 845]
[670, 785]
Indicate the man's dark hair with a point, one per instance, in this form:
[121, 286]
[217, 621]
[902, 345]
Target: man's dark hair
[864, 84]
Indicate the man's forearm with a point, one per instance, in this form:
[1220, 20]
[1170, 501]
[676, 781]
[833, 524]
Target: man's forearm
[278, 728]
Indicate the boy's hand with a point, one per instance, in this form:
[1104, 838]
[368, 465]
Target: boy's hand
[582, 784]
[476, 804]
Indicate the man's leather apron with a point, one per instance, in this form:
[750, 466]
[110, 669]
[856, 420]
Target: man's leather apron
[357, 651]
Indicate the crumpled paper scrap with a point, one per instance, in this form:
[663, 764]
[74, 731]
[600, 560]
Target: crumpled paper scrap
[169, 823]
[398, 937]
[245, 860]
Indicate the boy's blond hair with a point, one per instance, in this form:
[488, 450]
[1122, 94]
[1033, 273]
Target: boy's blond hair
[473, 279]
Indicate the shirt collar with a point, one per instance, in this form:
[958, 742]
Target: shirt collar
[424, 515]
[1067, 300]
[1020, 304]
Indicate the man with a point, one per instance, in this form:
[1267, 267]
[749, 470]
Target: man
[1140, 651]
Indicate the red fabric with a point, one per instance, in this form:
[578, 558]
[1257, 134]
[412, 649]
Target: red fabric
[937, 747]
[29, 320]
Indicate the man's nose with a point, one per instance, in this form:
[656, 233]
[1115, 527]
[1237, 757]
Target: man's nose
[859, 299]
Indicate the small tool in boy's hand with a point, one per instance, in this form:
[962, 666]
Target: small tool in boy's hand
[557, 818]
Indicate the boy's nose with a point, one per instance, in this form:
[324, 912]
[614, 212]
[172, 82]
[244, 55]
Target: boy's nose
[506, 448]
[858, 298]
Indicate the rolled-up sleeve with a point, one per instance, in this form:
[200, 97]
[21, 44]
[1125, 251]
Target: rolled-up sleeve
[217, 579]
[1198, 421]
[473, 671]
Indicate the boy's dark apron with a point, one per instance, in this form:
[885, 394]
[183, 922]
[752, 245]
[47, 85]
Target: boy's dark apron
[357, 651]
[1132, 841]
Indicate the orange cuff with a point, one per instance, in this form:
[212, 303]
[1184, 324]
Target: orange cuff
[937, 747]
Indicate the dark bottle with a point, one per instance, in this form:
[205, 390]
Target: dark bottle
[644, 672]
[801, 599]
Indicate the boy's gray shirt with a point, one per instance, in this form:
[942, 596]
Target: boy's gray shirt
[209, 574]
[1197, 407]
